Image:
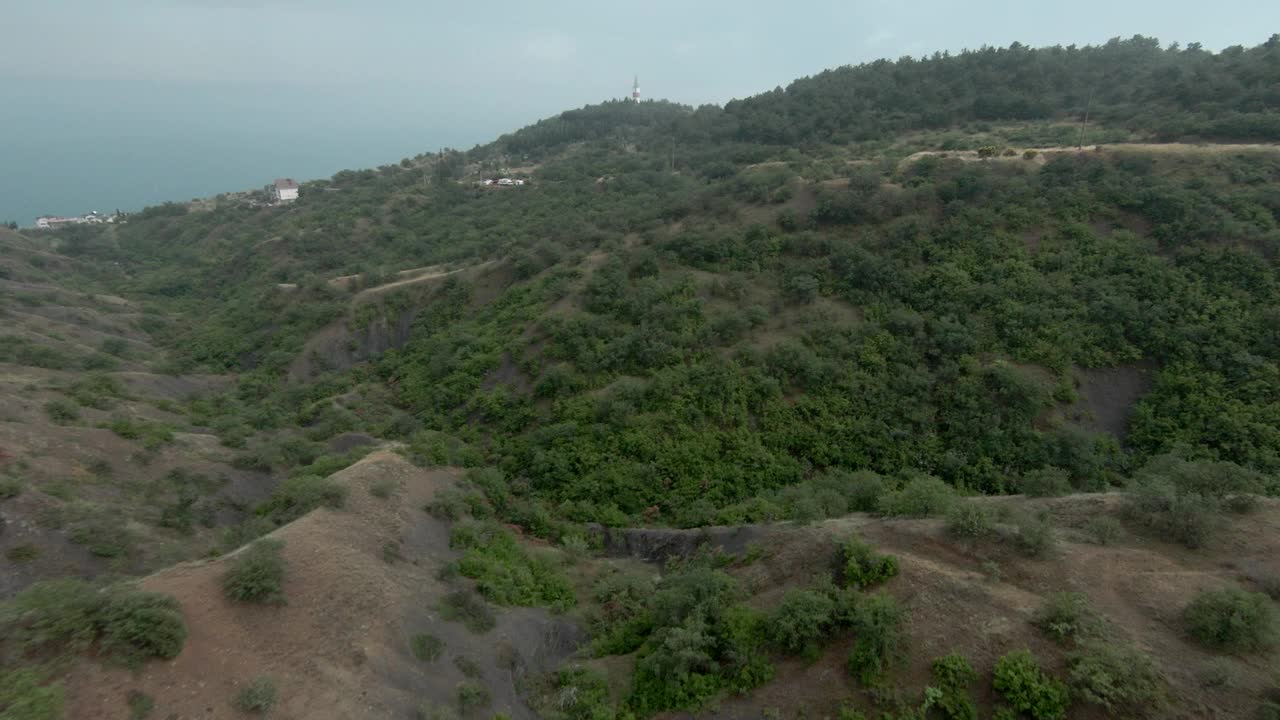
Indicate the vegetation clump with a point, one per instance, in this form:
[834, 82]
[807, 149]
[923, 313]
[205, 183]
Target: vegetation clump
[952, 677]
[1028, 689]
[969, 519]
[258, 697]
[465, 607]
[862, 567]
[506, 573]
[257, 574]
[1233, 620]
[1117, 677]
[1066, 617]
[426, 647]
[876, 622]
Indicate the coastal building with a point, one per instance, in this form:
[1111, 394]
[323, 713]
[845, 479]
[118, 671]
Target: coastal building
[285, 190]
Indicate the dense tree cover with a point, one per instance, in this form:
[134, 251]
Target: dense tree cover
[1171, 92]
[688, 310]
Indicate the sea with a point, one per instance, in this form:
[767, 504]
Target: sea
[73, 174]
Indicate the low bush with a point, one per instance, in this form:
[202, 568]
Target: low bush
[802, 621]
[60, 617]
[258, 697]
[1232, 619]
[969, 519]
[141, 705]
[256, 575]
[862, 568]
[468, 667]
[447, 505]
[923, 496]
[472, 697]
[578, 694]
[1067, 617]
[104, 536]
[25, 694]
[383, 488]
[464, 607]
[1028, 689]
[10, 487]
[1103, 530]
[623, 619]
[876, 622]
[1119, 678]
[1033, 535]
[297, 496]
[425, 647]
[1183, 500]
[24, 553]
[53, 616]
[62, 412]
[952, 676]
[134, 625]
[504, 572]
[1045, 482]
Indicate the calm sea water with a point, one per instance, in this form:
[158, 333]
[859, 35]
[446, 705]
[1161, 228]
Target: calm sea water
[47, 174]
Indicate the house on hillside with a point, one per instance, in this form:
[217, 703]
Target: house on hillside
[285, 190]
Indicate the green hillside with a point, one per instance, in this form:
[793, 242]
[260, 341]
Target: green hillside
[691, 309]
[879, 289]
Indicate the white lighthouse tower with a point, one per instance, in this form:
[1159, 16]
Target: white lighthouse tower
[635, 90]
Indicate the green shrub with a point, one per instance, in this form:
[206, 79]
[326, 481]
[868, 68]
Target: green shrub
[1232, 619]
[504, 572]
[383, 488]
[53, 616]
[257, 574]
[1033, 535]
[135, 625]
[923, 496]
[258, 697]
[1020, 681]
[952, 676]
[299, 495]
[62, 412]
[802, 621]
[473, 697]
[24, 553]
[1183, 500]
[579, 694]
[26, 695]
[876, 622]
[104, 536]
[447, 505]
[1103, 530]
[1119, 678]
[623, 620]
[969, 519]
[464, 607]
[1067, 617]
[1046, 482]
[141, 705]
[425, 647]
[10, 487]
[862, 567]
[468, 667]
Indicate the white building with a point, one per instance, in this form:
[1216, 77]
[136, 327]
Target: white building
[285, 190]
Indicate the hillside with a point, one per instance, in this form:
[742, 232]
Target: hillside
[913, 347]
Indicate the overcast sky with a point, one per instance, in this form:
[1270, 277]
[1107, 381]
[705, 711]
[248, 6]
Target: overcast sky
[415, 75]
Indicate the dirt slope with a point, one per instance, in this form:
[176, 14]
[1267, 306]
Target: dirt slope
[339, 648]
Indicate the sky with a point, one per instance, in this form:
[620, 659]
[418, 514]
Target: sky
[109, 104]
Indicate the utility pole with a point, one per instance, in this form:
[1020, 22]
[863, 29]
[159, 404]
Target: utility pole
[1084, 125]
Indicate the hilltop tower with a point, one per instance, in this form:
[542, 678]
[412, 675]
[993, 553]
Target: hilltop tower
[635, 90]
